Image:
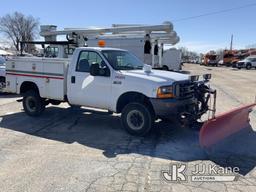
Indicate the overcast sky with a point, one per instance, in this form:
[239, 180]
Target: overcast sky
[200, 34]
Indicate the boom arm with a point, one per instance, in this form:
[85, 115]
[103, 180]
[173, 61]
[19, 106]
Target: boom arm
[163, 32]
[167, 27]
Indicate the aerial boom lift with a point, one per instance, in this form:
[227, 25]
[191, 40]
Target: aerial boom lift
[157, 35]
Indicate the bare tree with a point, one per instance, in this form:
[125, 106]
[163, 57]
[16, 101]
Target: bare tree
[17, 27]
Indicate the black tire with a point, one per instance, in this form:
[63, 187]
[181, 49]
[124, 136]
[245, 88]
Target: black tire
[248, 66]
[2, 82]
[33, 104]
[165, 68]
[137, 119]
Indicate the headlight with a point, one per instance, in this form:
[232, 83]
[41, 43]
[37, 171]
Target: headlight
[165, 92]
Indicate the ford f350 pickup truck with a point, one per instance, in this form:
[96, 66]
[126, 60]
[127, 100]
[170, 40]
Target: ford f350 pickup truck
[111, 79]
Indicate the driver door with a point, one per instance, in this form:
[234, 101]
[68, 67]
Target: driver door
[87, 90]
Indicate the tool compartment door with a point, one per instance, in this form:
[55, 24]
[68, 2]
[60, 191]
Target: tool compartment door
[54, 79]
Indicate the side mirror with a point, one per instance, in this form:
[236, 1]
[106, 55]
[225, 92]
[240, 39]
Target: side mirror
[94, 69]
[104, 72]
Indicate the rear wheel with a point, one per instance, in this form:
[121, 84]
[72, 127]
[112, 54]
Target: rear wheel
[165, 68]
[2, 82]
[33, 104]
[137, 119]
[234, 65]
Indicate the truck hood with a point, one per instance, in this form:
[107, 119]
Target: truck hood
[157, 76]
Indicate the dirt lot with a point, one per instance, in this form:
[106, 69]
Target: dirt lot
[75, 150]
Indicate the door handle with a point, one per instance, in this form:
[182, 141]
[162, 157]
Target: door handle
[73, 79]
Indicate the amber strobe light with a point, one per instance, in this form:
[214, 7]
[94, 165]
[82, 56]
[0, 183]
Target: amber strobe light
[101, 43]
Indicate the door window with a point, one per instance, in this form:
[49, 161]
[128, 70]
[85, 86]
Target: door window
[86, 59]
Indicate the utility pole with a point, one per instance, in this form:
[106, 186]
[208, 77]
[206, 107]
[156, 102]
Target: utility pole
[231, 43]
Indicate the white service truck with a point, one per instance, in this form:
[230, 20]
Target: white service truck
[111, 79]
[172, 59]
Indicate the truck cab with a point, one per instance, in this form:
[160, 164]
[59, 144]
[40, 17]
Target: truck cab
[116, 72]
[116, 80]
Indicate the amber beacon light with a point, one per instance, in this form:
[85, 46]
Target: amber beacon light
[101, 43]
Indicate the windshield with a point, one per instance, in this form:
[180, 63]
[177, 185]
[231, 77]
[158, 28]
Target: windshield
[51, 51]
[122, 60]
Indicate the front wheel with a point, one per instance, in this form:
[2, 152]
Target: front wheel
[248, 66]
[33, 104]
[137, 119]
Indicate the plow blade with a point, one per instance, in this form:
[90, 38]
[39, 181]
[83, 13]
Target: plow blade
[224, 125]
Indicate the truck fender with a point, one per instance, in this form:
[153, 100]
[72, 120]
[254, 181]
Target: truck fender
[129, 97]
[27, 86]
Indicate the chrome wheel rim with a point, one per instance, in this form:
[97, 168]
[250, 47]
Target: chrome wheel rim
[135, 120]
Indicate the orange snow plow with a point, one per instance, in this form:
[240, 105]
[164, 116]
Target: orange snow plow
[224, 125]
[218, 128]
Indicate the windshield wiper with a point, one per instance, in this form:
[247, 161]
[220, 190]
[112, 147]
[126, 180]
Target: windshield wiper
[126, 68]
[129, 67]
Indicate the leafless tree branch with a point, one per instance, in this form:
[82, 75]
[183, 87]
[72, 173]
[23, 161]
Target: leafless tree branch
[17, 27]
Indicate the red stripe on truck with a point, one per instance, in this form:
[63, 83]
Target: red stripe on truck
[35, 76]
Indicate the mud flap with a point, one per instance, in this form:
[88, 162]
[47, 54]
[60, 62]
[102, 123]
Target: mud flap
[224, 125]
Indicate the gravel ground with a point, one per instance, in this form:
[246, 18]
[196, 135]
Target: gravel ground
[77, 150]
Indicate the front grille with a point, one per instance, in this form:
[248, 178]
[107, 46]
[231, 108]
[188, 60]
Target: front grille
[184, 90]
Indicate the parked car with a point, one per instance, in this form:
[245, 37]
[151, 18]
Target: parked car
[247, 63]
